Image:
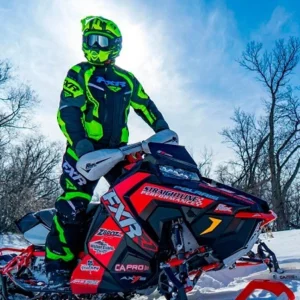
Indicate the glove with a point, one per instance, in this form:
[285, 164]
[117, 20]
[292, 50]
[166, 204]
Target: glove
[84, 146]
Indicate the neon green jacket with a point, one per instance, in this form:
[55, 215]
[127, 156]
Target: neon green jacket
[95, 103]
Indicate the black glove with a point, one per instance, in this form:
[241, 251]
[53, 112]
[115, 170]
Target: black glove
[84, 146]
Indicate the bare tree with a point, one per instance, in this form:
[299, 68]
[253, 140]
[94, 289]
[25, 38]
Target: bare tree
[248, 138]
[274, 70]
[17, 101]
[206, 161]
[292, 205]
[29, 179]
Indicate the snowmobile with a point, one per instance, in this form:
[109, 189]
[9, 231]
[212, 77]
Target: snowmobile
[159, 227]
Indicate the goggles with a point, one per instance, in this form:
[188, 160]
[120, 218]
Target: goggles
[100, 40]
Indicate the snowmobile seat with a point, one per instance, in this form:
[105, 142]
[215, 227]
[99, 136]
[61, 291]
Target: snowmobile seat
[45, 216]
[36, 226]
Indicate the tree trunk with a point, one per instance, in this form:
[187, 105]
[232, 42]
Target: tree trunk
[282, 222]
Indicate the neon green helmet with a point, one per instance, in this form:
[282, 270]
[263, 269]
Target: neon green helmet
[102, 40]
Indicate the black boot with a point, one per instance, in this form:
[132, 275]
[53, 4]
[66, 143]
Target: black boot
[59, 278]
[59, 272]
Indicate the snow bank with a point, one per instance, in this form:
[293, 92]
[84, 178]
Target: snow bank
[227, 284]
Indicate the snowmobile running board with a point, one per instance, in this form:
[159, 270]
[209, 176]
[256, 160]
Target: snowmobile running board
[40, 287]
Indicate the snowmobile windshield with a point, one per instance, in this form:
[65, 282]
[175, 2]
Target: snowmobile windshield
[172, 153]
[174, 161]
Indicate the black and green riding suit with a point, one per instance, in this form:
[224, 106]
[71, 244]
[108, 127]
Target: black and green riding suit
[94, 106]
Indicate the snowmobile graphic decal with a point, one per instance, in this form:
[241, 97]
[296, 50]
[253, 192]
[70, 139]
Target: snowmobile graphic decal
[85, 281]
[179, 197]
[73, 174]
[121, 215]
[101, 247]
[131, 268]
[109, 233]
[151, 192]
[214, 224]
[223, 209]
[89, 266]
[133, 278]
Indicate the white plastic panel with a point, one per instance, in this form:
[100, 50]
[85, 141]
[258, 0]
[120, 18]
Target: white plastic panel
[37, 235]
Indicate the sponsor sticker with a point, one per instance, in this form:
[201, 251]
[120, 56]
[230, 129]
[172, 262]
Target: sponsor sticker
[222, 208]
[134, 278]
[179, 197]
[197, 192]
[288, 276]
[86, 281]
[131, 268]
[101, 247]
[89, 267]
[110, 82]
[109, 233]
[73, 174]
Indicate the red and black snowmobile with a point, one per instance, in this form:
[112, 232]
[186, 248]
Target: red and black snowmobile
[160, 226]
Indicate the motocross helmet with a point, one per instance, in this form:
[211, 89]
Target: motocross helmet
[102, 40]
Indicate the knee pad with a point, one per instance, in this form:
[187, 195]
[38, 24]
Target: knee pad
[71, 212]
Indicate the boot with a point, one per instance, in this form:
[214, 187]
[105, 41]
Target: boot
[59, 278]
[58, 273]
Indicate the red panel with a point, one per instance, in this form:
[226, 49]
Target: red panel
[140, 202]
[247, 264]
[122, 214]
[107, 239]
[210, 267]
[39, 253]
[148, 192]
[87, 276]
[123, 187]
[146, 242]
[266, 217]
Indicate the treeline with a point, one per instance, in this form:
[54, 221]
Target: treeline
[28, 162]
[267, 147]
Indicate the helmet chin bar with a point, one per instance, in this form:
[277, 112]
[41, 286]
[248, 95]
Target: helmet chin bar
[94, 58]
[96, 164]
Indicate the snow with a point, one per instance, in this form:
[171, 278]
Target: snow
[227, 284]
[12, 240]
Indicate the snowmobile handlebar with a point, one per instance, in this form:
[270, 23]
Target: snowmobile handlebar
[96, 164]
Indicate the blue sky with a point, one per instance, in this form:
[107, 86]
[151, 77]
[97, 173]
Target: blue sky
[183, 52]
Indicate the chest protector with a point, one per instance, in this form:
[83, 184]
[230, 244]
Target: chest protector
[108, 92]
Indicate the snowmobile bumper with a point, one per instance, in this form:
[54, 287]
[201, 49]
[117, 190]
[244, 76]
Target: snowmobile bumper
[275, 287]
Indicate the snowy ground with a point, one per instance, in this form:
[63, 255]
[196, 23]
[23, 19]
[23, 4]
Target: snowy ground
[227, 284]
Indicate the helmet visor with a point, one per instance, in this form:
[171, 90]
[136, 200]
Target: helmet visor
[97, 40]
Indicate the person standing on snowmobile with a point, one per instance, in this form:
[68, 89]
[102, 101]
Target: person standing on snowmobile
[93, 113]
